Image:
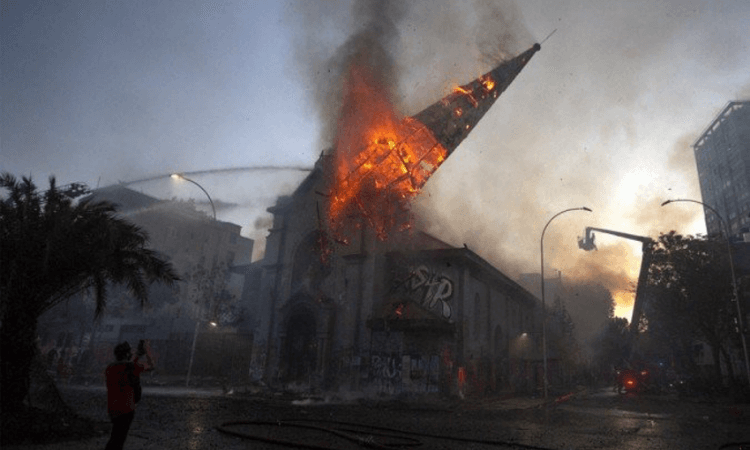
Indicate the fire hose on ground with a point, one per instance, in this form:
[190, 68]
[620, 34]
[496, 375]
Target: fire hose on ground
[367, 436]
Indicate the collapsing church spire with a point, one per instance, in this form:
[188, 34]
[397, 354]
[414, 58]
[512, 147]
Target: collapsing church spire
[383, 162]
[451, 119]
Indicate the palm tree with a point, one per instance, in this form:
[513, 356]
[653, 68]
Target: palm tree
[53, 247]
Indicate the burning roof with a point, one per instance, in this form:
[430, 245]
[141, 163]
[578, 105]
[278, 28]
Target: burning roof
[382, 161]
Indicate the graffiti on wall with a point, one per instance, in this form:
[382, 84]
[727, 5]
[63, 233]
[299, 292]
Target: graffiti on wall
[424, 373]
[385, 370]
[431, 289]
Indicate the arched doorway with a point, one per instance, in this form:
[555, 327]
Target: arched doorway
[301, 348]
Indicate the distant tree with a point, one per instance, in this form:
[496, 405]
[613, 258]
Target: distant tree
[206, 288]
[613, 345]
[562, 339]
[690, 296]
[54, 247]
[615, 342]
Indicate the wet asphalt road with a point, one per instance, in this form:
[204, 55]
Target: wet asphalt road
[178, 419]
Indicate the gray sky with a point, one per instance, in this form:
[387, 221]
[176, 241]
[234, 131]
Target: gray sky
[603, 116]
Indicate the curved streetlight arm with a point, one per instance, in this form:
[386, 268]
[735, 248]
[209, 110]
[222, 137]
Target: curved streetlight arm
[583, 208]
[544, 306]
[735, 292]
[183, 177]
[721, 219]
[726, 237]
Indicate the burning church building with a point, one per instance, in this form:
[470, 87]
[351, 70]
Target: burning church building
[352, 296]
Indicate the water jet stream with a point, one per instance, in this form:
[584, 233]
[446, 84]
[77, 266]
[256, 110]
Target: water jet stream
[226, 170]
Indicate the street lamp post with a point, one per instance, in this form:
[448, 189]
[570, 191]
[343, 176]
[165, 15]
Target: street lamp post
[177, 176]
[735, 292]
[544, 305]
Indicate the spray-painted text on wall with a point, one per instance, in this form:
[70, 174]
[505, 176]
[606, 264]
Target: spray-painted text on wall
[386, 372]
[431, 289]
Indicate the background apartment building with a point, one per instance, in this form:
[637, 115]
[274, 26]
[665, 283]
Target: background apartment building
[206, 303]
[722, 154]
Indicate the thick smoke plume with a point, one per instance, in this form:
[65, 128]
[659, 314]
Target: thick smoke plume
[417, 49]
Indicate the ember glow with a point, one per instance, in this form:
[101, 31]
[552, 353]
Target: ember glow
[488, 82]
[381, 160]
[468, 93]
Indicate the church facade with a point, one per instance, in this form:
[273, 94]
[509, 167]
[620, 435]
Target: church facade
[404, 315]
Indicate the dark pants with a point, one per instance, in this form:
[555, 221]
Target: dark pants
[120, 427]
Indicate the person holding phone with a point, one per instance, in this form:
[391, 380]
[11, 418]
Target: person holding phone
[123, 378]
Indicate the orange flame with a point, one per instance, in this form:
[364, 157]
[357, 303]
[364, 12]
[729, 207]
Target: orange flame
[381, 160]
[461, 90]
[488, 82]
[469, 94]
